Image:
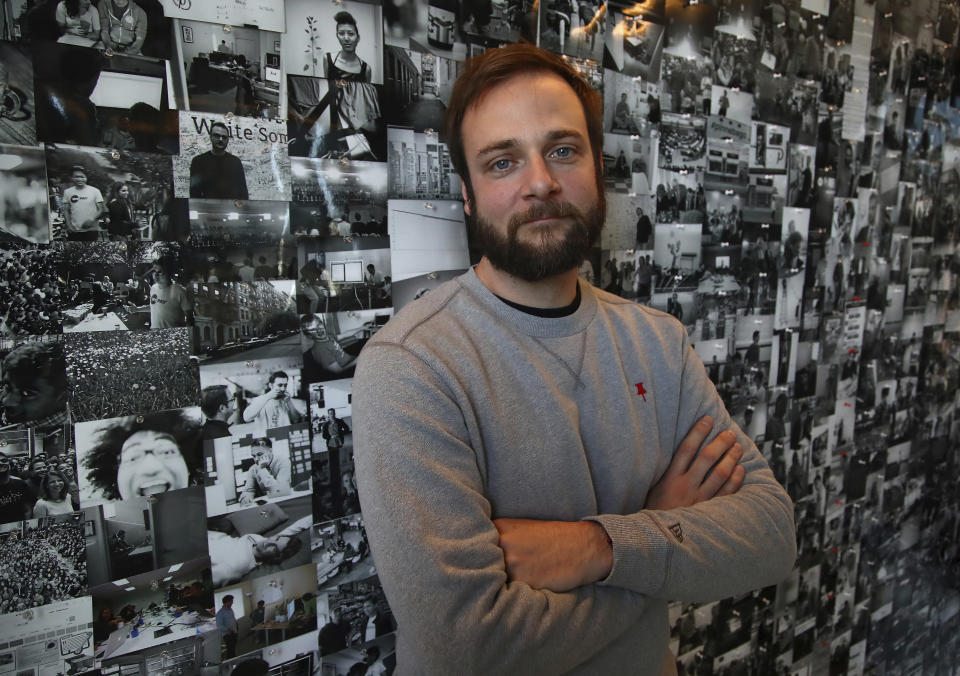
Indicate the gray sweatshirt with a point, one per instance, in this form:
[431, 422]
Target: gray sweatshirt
[467, 410]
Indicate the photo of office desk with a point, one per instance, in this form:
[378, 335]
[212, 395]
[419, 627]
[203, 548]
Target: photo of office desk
[121, 641]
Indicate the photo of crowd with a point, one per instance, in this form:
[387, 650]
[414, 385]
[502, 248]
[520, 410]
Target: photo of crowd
[30, 297]
[44, 562]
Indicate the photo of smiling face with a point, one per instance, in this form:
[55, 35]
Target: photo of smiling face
[150, 463]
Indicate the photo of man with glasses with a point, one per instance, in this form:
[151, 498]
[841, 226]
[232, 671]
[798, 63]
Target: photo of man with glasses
[216, 174]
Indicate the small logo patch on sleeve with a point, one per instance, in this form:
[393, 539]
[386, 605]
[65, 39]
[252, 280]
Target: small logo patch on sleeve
[677, 532]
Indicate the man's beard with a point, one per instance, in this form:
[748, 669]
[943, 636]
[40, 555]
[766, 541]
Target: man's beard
[549, 253]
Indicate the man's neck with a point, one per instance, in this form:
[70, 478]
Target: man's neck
[552, 292]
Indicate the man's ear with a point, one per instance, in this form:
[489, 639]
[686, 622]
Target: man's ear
[466, 198]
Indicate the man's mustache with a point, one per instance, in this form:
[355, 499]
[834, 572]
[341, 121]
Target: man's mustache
[550, 209]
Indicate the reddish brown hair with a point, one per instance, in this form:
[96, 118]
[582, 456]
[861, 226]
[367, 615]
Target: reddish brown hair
[496, 66]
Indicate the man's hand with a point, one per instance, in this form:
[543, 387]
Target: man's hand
[689, 479]
[554, 555]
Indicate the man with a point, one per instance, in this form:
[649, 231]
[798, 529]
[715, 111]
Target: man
[123, 26]
[232, 558]
[644, 229]
[16, 502]
[334, 431]
[220, 409]
[674, 307]
[269, 476]
[323, 357]
[227, 626]
[257, 617]
[83, 207]
[275, 408]
[377, 623]
[515, 430]
[170, 304]
[333, 635]
[216, 174]
[252, 667]
[34, 379]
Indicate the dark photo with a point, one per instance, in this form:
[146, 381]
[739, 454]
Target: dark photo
[228, 69]
[633, 45]
[100, 194]
[24, 215]
[33, 373]
[421, 165]
[143, 533]
[89, 98]
[18, 117]
[336, 199]
[417, 88]
[332, 342]
[216, 223]
[341, 551]
[335, 119]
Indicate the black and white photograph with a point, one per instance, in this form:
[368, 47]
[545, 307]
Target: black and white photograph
[33, 372]
[74, 646]
[128, 27]
[680, 196]
[685, 80]
[341, 551]
[335, 119]
[683, 142]
[87, 98]
[574, 29]
[735, 54]
[278, 610]
[426, 236]
[228, 69]
[245, 320]
[120, 373]
[235, 158]
[768, 147]
[31, 270]
[800, 173]
[139, 455]
[337, 199]
[420, 166]
[96, 193]
[334, 480]
[217, 223]
[412, 288]
[791, 267]
[151, 609]
[245, 470]
[634, 46]
[143, 533]
[728, 154]
[417, 92]
[357, 613]
[337, 275]
[732, 103]
[18, 115]
[228, 262]
[630, 106]
[332, 342]
[259, 540]
[342, 41]
[24, 214]
[267, 393]
[629, 222]
[379, 654]
[44, 562]
[790, 101]
[628, 162]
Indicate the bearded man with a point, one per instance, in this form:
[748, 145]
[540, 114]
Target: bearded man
[539, 461]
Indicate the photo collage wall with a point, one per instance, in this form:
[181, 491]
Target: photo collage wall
[207, 209]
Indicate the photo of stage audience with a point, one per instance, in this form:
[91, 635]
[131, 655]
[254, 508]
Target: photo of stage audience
[31, 294]
[41, 564]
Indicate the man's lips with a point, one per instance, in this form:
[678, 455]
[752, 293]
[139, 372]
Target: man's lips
[153, 489]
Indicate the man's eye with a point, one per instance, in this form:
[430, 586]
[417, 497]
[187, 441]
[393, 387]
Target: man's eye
[501, 165]
[563, 152]
[26, 394]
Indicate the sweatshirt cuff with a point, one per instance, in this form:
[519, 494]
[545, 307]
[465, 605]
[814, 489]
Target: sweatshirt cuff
[640, 552]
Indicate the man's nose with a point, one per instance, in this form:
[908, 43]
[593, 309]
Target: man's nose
[541, 182]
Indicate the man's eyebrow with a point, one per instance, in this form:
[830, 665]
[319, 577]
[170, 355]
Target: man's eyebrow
[508, 143]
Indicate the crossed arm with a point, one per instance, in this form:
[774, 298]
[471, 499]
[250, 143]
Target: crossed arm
[562, 555]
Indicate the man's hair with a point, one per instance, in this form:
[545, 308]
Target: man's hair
[347, 18]
[251, 667]
[497, 66]
[212, 398]
[228, 597]
[220, 124]
[279, 555]
[277, 374]
[78, 167]
[262, 442]
[103, 459]
[32, 361]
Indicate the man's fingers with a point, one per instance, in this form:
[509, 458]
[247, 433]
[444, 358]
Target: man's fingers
[709, 456]
[689, 446]
[734, 483]
[721, 472]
